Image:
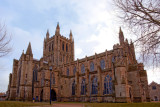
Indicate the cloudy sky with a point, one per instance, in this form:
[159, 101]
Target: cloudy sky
[94, 25]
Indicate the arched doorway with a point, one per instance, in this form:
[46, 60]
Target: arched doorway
[53, 95]
[41, 96]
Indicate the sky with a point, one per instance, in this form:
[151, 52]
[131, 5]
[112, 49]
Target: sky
[94, 25]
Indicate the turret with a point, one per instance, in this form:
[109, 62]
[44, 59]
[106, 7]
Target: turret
[70, 35]
[22, 55]
[47, 34]
[57, 29]
[121, 36]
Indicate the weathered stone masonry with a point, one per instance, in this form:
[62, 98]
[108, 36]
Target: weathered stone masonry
[111, 76]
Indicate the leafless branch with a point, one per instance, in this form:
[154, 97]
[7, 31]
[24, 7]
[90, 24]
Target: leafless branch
[4, 41]
[143, 18]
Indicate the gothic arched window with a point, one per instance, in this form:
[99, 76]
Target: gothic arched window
[74, 70]
[107, 85]
[91, 66]
[66, 48]
[82, 69]
[94, 86]
[102, 64]
[67, 71]
[52, 46]
[35, 74]
[42, 79]
[73, 88]
[53, 78]
[83, 87]
[49, 48]
[63, 46]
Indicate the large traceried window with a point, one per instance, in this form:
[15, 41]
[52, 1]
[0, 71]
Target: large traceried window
[94, 86]
[67, 71]
[53, 78]
[74, 70]
[35, 72]
[63, 46]
[91, 66]
[49, 47]
[102, 64]
[42, 79]
[52, 46]
[108, 85]
[154, 87]
[66, 47]
[83, 87]
[82, 68]
[73, 88]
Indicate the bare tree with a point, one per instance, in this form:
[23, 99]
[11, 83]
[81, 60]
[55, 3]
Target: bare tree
[143, 18]
[4, 41]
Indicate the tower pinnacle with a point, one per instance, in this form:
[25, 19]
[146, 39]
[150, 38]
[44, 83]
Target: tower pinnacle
[57, 29]
[121, 36]
[29, 50]
[47, 34]
[70, 35]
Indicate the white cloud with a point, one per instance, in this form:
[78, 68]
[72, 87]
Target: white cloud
[78, 52]
[153, 75]
[21, 39]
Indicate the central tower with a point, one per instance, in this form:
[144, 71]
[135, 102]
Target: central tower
[58, 49]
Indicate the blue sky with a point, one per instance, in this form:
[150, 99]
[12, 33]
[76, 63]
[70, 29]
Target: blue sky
[94, 25]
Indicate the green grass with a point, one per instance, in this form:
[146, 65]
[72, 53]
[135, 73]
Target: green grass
[122, 104]
[24, 104]
[20, 104]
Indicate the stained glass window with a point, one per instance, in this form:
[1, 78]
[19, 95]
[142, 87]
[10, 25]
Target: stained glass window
[35, 75]
[74, 71]
[82, 69]
[107, 85]
[91, 66]
[63, 46]
[42, 79]
[83, 87]
[53, 78]
[52, 46]
[66, 48]
[102, 64]
[67, 71]
[73, 88]
[154, 87]
[94, 86]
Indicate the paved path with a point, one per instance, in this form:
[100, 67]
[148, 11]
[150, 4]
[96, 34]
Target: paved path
[62, 105]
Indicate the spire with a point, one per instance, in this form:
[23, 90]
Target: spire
[22, 54]
[70, 35]
[47, 34]
[58, 29]
[121, 36]
[57, 26]
[29, 49]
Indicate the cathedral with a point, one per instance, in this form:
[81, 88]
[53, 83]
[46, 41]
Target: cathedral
[111, 76]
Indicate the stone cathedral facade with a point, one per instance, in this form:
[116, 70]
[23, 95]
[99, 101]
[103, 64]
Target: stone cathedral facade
[110, 76]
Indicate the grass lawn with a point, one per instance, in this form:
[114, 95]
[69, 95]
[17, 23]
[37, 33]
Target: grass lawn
[122, 104]
[24, 104]
[20, 104]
